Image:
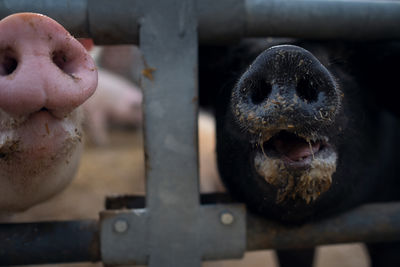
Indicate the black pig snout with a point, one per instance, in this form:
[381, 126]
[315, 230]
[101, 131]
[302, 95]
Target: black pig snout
[286, 87]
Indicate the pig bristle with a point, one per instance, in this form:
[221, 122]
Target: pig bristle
[308, 185]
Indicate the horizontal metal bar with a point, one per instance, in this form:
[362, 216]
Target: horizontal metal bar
[322, 19]
[74, 241]
[118, 21]
[70, 13]
[49, 242]
[368, 223]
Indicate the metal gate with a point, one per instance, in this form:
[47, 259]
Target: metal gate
[174, 225]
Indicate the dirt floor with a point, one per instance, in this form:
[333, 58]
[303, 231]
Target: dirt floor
[119, 169]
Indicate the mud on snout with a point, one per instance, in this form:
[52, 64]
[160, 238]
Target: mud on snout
[288, 102]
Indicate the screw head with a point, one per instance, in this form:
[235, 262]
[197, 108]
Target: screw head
[120, 226]
[227, 218]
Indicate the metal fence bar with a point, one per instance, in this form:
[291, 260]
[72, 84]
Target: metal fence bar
[168, 40]
[323, 19]
[117, 21]
[368, 223]
[74, 241]
[49, 242]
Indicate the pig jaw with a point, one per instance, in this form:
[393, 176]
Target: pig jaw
[299, 166]
[38, 156]
[307, 184]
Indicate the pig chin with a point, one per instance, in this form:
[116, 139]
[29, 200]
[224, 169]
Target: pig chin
[296, 166]
[38, 156]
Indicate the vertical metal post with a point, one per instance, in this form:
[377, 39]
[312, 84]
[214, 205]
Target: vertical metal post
[168, 40]
[174, 229]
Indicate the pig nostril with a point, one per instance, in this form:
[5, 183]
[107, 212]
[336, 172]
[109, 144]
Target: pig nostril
[8, 62]
[60, 59]
[260, 92]
[306, 90]
[65, 62]
[8, 65]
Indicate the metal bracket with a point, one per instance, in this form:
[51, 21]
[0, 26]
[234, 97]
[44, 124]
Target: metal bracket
[218, 232]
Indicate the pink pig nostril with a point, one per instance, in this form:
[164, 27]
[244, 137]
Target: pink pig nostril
[60, 59]
[8, 61]
[66, 61]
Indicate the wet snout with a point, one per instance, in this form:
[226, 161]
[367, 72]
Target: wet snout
[42, 67]
[289, 101]
[286, 88]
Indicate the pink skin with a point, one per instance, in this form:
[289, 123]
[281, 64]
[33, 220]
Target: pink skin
[45, 75]
[117, 101]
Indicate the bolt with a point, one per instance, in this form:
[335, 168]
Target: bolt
[227, 218]
[121, 226]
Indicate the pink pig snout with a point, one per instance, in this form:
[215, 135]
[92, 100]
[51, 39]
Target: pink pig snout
[45, 75]
[42, 67]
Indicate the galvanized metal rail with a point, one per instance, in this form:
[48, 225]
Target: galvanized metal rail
[174, 229]
[118, 21]
[78, 241]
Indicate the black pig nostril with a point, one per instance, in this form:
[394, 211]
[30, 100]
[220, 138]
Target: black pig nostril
[8, 62]
[307, 91]
[260, 92]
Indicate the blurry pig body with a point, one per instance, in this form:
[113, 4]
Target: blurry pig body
[45, 75]
[116, 101]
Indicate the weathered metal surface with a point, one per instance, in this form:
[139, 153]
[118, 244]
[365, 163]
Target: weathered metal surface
[116, 22]
[219, 233]
[168, 40]
[73, 14]
[56, 242]
[322, 19]
[111, 22]
[129, 246]
[173, 230]
[49, 242]
[368, 223]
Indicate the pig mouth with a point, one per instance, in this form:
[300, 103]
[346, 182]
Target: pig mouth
[298, 166]
[41, 134]
[295, 151]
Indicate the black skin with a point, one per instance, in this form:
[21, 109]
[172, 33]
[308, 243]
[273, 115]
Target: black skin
[367, 144]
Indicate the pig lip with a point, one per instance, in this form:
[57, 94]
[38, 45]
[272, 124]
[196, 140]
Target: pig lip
[293, 150]
[39, 134]
[42, 113]
[283, 161]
